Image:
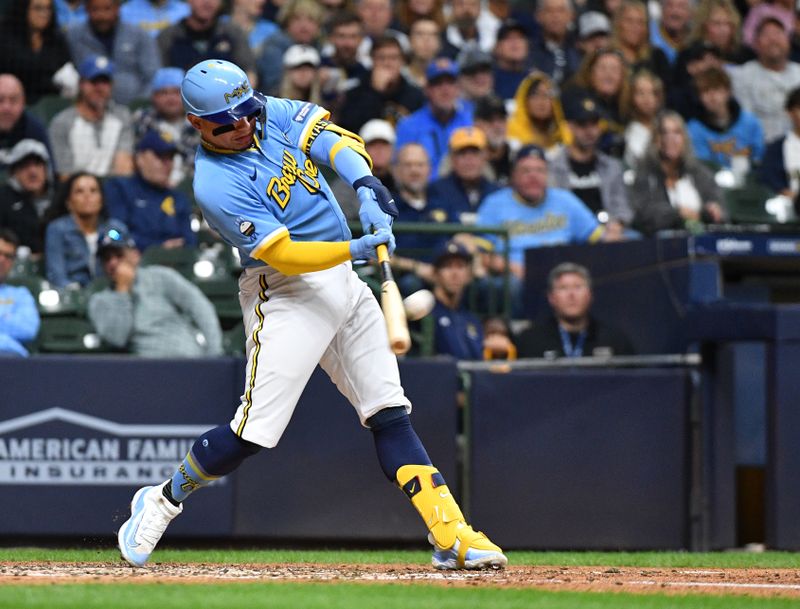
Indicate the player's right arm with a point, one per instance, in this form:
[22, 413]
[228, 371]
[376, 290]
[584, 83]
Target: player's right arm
[295, 257]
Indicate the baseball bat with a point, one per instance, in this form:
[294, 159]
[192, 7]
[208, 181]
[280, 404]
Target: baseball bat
[392, 305]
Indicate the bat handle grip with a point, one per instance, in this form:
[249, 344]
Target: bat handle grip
[383, 262]
[383, 253]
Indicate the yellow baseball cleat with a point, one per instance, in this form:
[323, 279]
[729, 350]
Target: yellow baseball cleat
[456, 545]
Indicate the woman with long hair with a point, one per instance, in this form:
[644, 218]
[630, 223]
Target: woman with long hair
[604, 75]
[301, 78]
[78, 220]
[425, 43]
[631, 37]
[33, 48]
[646, 101]
[719, 24]
[672, 189]
[538, 117]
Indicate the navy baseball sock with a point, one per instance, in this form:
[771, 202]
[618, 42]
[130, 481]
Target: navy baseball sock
[214, 454]
[396, 441]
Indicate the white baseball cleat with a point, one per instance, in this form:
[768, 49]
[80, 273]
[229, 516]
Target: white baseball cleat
[488, 557]
[150, 515]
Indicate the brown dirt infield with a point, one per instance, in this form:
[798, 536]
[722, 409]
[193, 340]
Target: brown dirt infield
[751, 582]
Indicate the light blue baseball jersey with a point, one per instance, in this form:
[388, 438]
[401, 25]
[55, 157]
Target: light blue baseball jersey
[253, 197]
[560, 218]
[151, 18]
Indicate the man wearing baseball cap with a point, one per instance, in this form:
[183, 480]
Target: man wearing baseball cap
[444, 112]
[536, 214]
[594, 32]
[580, 167]
[300, 77]
[457, 331]
[152, 311]
[511, 58]
[475, 75]
[165, 114]
[26, 196]
[95, 134]
[165, 108]
[299, 55]
[155, 214]
[491, 117]
[463, 189]
[379, 139]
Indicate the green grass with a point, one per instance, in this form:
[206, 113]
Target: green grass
[348, 596]
[773, 560]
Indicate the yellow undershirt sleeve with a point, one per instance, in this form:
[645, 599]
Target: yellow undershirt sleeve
[295, 257]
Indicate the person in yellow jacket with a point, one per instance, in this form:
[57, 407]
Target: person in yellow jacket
[537, 118]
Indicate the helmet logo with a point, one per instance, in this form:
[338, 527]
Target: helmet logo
[242, 89]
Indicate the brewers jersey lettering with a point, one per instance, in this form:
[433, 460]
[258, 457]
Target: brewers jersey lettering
[253, 197]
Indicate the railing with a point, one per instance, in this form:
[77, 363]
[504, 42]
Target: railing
[496, 305]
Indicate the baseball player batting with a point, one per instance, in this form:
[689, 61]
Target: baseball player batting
[258, 183]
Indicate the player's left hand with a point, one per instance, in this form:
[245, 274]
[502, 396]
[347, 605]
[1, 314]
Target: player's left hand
[378, 208]
[364, 247]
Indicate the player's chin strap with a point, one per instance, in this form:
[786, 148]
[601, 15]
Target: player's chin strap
[429, 494]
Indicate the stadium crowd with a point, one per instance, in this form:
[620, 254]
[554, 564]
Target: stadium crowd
[561, 121]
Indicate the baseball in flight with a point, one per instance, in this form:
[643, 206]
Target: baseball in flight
[418, 304]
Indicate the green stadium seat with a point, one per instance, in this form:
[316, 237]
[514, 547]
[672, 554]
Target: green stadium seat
[48, 106]
[137, 104]
[182, 259]
[746, 204]
[63, 301]
[68, 334]
[224, 295]
[34, 284]
[28, 267]
[234, 341]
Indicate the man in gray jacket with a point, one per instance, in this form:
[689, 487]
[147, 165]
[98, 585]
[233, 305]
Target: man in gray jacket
[133, 51]
[151, 311]
[594, 177]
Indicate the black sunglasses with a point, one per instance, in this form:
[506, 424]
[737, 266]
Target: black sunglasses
[222, 129]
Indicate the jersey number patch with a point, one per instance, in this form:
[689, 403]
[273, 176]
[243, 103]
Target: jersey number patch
[280, 189]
